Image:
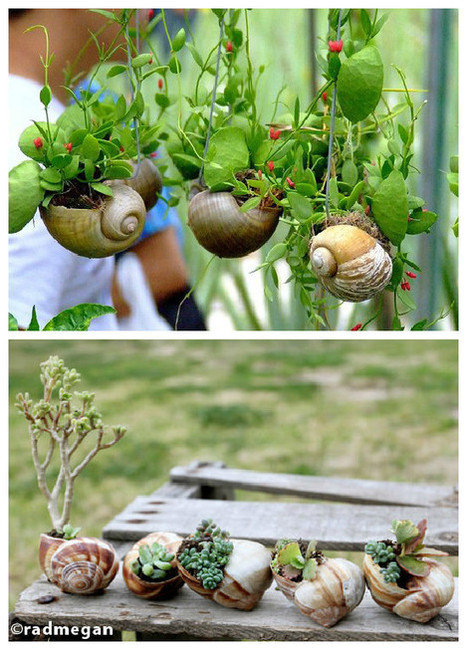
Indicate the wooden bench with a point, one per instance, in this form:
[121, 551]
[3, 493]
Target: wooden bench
[345, 514]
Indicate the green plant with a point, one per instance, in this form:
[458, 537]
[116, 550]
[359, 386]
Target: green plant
[296, 560]
[207, 553]
[404, 556]
[60, 426]
[77, 319]
[153, 563]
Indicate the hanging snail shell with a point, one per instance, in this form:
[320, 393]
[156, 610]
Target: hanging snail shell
[221, 228]
[247, 575]
[84, 565]
[149, 589]
[423, 597]
[98, 232]
[336, 590]
[350, 263]
[147, 182]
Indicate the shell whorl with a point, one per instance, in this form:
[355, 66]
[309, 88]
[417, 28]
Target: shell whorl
[149, 589]
[221, 228]
[423, 598]
[147, 182]
[83, 565]
[99, 232]
[350, 263]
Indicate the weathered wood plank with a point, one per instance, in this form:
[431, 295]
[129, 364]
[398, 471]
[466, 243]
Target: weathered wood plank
[335, 526]
[318, 487]
[275, 618]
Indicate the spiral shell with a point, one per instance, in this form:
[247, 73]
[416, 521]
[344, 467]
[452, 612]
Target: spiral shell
[98, 232]
[350, 263]
[83, 565]
[147, 182]
[421, 600]
[247, 575]
[221, 228]
[336, 590]
[149, 589]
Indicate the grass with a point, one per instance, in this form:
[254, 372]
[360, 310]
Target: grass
[372, 409]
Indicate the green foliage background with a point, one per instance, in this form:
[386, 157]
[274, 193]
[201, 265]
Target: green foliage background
[384, 410]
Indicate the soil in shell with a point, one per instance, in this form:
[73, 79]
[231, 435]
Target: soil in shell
[78, 195]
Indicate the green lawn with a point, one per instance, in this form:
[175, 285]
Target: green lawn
[372, 409]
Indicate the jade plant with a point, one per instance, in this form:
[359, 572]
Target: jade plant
[406, 555]
[296, 560]
[60, 423]
[206, 554]
[153, 563]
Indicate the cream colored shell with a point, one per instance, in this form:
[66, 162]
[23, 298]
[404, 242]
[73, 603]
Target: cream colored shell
[247, 575]
[98, 232]
[84, 565]
[350, 263]
[147, 182]
[221, 228]
[145, 588]
[423, 598]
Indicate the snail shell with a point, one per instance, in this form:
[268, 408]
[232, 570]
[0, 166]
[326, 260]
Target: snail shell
[146, 588]
[147, 182]
[83, 565]
[350, 263]
[98, 232]
[336, 590]
[247, 575]
[221, 228]
[421, 600]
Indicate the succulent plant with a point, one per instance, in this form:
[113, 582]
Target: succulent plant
[296, 560]
[153, 562]
[406, 553]
[208, 557]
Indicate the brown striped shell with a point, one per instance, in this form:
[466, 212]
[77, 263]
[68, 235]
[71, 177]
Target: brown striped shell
[421, 600]
[336, 590]
[247, 575]
[147, 182]
[221, 228]
[350, 263]
[98, 232]
[84, 565]
[149, 589]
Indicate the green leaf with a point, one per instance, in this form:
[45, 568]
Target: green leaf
[24, 194]
[334, 65]
[175, 65]
[102, 188]
[302, 208]
[297, 113]
[195, 54]
[12, 323]
[421, 221]
[349, 172]
[360, 83]
[140, 60]
[116, 70]
[26, 142]
[353, 197]
[145, 554]
[454, 164]
[276, 253]
[290, 552]
[45, 95]
[405, 530]
[366, 22]
[390, 207]
[71, 170]
[309, 570]
[453, 180]
[162, 100]
[179, 41]
[61, 160]
[227, 154]
[77, 318]
[334, 192]
[251, 203]
[90, 148]
[413, 566]
[407, 300]
[34, 323]
[51, 175]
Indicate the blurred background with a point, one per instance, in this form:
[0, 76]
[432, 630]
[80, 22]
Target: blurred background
[424, 44]
[383, 410]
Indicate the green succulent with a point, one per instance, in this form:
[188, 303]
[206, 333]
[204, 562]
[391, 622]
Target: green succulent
[69, 532]
[288, 557]
[208, 558]
[153, 562]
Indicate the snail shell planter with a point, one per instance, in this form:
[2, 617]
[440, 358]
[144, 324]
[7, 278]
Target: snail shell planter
[112, 226]
[335, 589]
[85, 565]
[350, 263]
[151, 589]
[223, 229]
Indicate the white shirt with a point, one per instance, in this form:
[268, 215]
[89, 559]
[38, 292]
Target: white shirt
[41, 272]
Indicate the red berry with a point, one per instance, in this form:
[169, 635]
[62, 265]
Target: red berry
[324, 97]
[122, 149]
[260, 174]
[273, 134]
[150, 14]
[367, 210]
[160, 84]
[37, 143]
[356, 327]
[407, 286]
[410, 275]
[153, 154]
[271, 166]
[68, 146]
[335, 46]
[228, 47]
[290, 182]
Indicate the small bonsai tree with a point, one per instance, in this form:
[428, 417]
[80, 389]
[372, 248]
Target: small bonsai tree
[404, 556]
[65, 423]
